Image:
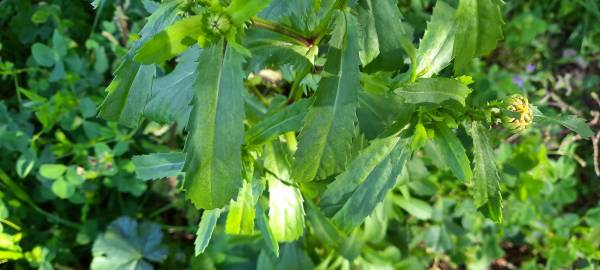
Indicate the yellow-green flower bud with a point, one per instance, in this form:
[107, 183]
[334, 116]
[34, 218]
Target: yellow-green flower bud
[518, 115]
[218, 24]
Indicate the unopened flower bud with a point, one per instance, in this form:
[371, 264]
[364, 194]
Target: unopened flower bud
[218, 24]
[519, 115]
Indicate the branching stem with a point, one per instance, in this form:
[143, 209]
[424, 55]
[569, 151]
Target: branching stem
[284, 30]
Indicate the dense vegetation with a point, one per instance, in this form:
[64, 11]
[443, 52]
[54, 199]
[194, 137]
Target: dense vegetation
[257, 134]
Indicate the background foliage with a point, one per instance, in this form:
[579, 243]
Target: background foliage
[71, 195]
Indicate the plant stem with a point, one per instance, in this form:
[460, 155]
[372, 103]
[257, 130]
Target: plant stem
[20, 194]
[19, 98]
[10, 224]
[96, 18]
[162, 210]
[284, 30]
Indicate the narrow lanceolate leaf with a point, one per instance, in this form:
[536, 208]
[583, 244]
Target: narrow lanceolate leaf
[288, 119]
[571, 122]
[453, 153]
[486, 180]
[478, 29]
[355, 193]
[434, 90]
[326, 139]
[240, 219]
[286, 212]
[172, 94]
[265, 230]
[213, 164]
[130, 88]
[205, 229]
[158, 165]
[435, 49]
[171, 42]
[242, 10]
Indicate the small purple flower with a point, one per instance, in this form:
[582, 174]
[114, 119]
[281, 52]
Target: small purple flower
[518, 80]
[530, 67]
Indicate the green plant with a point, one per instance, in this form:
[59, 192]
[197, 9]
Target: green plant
[360, 110]
[364, 134]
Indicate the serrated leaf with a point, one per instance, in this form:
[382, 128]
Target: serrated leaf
[486, 179]
[242, 10]
[213, 163]
[127, 106]
[355, 193]
[478, 29]
[453, 153]
[369, 42]
[382, 34]
[171, 42]
[286, 212]
[158, 165]
[326, 139]
[436, 46]
[172, 94]
[132, 83]
[434, 90]
[205, 229]
[289, 118]
[240, 219]
[571, 122]
[127, 245]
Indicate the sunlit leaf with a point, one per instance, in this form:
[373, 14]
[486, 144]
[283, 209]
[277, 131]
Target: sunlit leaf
[436, 46]
[205, 229]
[434, 90]
[171, 42]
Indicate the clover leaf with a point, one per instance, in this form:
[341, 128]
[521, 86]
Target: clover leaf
[128, 246]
